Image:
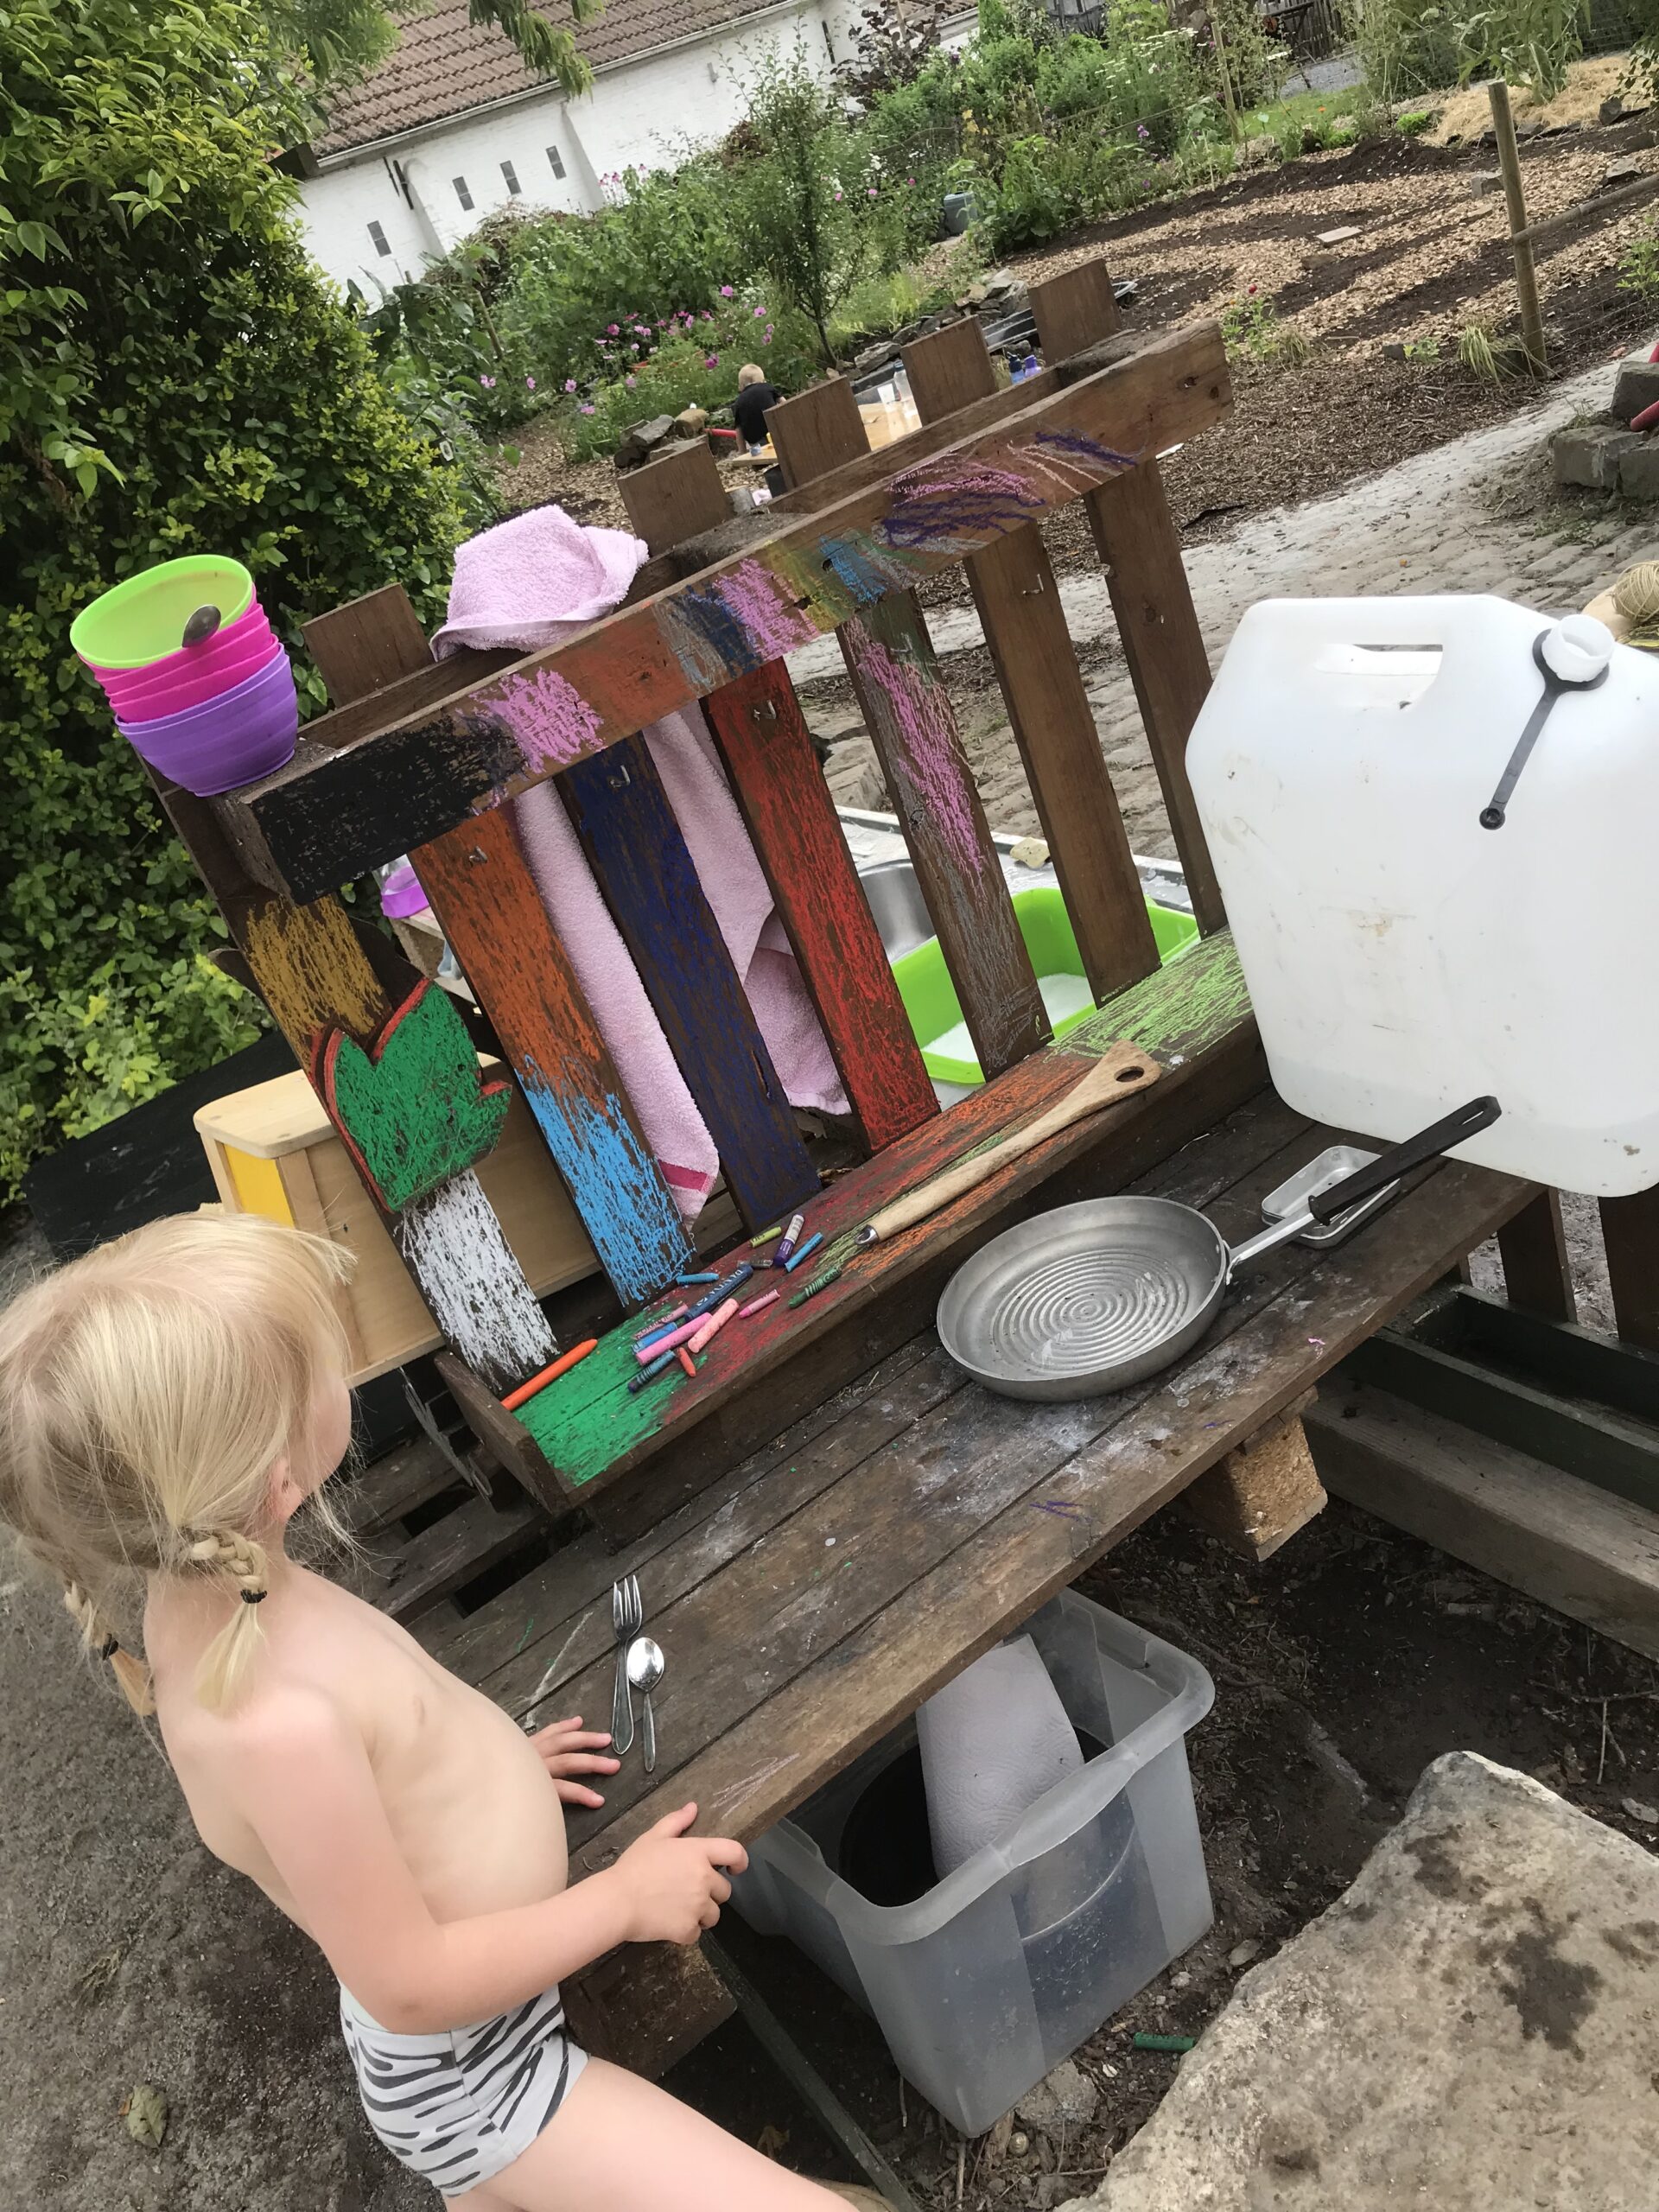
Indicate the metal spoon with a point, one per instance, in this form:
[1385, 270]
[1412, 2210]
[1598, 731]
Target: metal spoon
[646, 1668]
[201, 626]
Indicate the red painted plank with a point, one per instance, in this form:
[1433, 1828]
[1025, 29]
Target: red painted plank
[910, 720]
[780, 789]
[638, 856]
[484, 896]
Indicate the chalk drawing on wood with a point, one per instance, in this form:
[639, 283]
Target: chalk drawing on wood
[413, 1110]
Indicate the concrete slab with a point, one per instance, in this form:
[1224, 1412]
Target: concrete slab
[1471, 2027]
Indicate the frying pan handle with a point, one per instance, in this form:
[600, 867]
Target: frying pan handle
[1452, 1130]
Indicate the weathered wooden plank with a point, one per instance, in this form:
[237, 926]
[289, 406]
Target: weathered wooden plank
[453, 1550]
[366, 644]
[1537, 1273]
[1630, 1230]
[1141, 551]
[1559, 1357]
[327, 818]
[909, 718]
[1024, 621]
[645, 2005]
[312, 975]
[600, 1431]
[677, 497]
[484, 896]
[638, 856]
[912, 726]
[1590, 1555]
[786, 803]
[1003, 1559]
[400, 1483]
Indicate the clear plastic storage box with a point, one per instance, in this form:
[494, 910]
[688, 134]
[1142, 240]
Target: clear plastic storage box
[981, 1983]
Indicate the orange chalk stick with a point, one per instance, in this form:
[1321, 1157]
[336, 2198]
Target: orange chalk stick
[562, 1365]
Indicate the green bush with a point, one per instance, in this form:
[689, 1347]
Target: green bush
[1415, 46]
[178, 377]
[1415, 122]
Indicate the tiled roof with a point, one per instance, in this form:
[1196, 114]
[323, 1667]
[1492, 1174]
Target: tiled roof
[444, 65]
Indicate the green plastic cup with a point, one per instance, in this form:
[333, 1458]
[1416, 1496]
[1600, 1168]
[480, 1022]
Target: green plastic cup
[141, 619]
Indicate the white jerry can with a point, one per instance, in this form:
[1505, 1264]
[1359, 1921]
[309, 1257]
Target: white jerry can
[1436, 826]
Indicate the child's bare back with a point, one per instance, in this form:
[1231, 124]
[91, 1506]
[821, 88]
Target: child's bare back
[166, 1405]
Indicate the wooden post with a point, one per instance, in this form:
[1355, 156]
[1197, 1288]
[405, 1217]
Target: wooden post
[1018, 603]
[1629, 1229]
[915, 731]
[1141, 551]
[1532, 1245]
[675, 498]
[1526, 280]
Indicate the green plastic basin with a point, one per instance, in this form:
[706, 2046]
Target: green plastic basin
[935, 1011]
[141, 619]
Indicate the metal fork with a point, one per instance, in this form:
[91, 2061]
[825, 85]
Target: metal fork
[627, 1618]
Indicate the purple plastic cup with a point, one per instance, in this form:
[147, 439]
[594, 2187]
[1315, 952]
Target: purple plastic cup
[246, 732]
[166, 688]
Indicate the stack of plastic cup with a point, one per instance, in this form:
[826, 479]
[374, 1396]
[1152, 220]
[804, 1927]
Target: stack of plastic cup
[210, 715]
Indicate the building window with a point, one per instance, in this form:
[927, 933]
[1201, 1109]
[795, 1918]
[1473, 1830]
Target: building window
[461, 193]
[378, 237]
[553, 157]
[511, 175]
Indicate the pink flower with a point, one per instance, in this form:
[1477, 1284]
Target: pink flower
[629, 381]
[529, 384]
[711, 360]
[837, 195]
[869, 192]
[584, 409]
[488, 383]
[758, 314]
[708, 314]
[725, 291]
[613, 330]
[569, 384]
[643, 329]
[910, 179]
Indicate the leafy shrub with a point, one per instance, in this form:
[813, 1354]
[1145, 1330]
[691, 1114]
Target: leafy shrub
[696, 367]
[1415, 122]
[1250, 325]
[1414, 46]
[1638, 266]
[178, 377]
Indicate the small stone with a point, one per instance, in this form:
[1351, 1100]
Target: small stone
[1180, 1981]
[1647, 1815]
[1623, 172]
[1030, 852]
[1065, 2100]
[1611, 109]
[1396, 351]
[1590, 453]
[1483, 181]
[1242, 1954]
[1638, 471]
[1018, 2144]
[1339, 237]
[1636, 388]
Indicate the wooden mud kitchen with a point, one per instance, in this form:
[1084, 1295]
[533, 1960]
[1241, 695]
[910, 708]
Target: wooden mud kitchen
[829, 1519]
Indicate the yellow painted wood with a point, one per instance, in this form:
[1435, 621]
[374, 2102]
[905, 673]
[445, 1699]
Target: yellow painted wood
[258, 1186]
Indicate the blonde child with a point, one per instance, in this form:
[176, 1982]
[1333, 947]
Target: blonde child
[166, 1406]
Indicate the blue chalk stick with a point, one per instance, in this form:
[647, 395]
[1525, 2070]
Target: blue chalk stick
[649, 1374]
[800, 1253]
[698, 1278]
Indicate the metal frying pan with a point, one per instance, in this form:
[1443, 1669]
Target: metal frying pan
[1090, 1298]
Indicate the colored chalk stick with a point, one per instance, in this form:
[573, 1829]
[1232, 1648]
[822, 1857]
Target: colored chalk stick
[638, 856]
[818, 1283]
[765, 1236]
[711, 1276]
[649, 1374]
[684, 1355]
[800, 1253]
[526, 1391]
[711, 1328]
[756, 1305]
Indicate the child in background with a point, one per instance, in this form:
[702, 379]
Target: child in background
[754, 396]
[166, 1405]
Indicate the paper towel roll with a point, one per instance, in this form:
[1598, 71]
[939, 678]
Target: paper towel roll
[992, 1742]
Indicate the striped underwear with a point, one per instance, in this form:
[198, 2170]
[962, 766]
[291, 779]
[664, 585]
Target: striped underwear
[458, 2107]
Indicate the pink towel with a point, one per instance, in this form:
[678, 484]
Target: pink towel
[540, 572]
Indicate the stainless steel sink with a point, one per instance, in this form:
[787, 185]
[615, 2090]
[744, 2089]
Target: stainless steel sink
[896, 903]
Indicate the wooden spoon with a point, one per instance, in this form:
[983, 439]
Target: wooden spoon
[1121, 1071]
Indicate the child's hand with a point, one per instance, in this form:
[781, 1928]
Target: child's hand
[566, 1750]
[675, 1883]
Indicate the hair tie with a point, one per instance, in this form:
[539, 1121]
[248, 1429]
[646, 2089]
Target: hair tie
[255, 1596]
[108, 1649]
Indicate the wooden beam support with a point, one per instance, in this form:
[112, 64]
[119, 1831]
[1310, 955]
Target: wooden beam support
[334, 813]
[1141, 551]
[1536, 1272]
[677, 497]
[1263, 1491]
[367, 644]
[912, 726]
[638, 856]
[1020, 610]
[1630, 1230]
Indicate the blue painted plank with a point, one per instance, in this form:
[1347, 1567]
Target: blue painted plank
[628, 831]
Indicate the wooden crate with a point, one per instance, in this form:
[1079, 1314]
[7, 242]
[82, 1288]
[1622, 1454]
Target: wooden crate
[273, 1151]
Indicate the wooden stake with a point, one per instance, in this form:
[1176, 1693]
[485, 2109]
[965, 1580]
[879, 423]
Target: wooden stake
[1526, 280]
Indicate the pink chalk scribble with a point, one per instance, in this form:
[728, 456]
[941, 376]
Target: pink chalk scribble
[933, 759]
[551, 723]
[764, 605]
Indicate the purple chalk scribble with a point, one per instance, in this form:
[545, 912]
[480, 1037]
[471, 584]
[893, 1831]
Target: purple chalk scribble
[1073, 461]
[551, 723]
[933, 759]
[955, 505]
[764, 605]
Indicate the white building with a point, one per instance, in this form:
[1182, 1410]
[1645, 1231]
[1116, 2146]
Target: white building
[453, 126]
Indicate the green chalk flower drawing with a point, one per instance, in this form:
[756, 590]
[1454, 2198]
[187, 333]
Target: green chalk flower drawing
[414, 1111]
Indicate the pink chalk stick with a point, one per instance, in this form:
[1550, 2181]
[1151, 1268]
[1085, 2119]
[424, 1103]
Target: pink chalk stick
[661, 1323]
[711, 1328]
[755, 1303]
[671, 1343]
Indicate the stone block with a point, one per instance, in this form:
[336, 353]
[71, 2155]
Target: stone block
[1638, 470]
[1590, 453]
[1470, 2029]
[1637, 386]
[1624, 172]
[1339, 237]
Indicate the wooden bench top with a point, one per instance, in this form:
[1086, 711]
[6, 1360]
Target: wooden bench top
[813, 1598]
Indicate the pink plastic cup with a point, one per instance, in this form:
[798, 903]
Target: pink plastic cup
[248, 732]
[192, 676]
